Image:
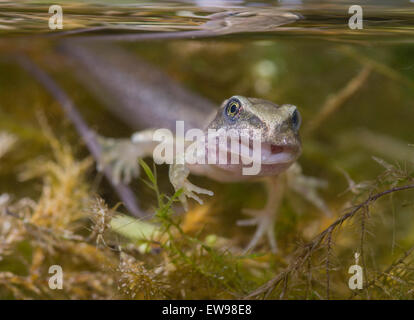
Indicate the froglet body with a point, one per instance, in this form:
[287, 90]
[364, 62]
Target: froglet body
[142, 100]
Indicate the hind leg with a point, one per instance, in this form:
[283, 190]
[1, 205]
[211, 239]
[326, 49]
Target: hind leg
[264, 219]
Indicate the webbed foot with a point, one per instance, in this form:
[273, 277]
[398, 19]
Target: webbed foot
[178, 177]
[121, 156]
[307, 187]
[264, 219]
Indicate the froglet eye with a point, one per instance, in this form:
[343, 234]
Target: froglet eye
[296, 120]
[232, 108]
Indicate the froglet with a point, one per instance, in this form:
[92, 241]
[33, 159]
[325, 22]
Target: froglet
[278, 126]
[147, 98]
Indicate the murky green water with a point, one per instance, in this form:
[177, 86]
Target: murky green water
[304, 61]
[310, 57]
[354, 88]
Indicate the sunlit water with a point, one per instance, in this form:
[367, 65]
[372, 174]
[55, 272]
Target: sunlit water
[382, 20]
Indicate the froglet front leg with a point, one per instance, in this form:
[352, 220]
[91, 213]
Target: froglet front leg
[178, 174]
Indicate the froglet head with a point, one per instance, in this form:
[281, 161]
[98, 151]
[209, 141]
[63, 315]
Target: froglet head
[275, 126]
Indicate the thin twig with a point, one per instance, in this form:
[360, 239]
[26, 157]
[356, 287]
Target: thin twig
[376, 65]
[309, 279]
[387, 271]
[334, 102]
[124, 192]
[365, 212]
[328, 260]
[285, 287]
[302, 254]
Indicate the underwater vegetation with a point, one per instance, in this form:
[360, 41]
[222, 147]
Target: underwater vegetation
[355, 97]
[106, 254]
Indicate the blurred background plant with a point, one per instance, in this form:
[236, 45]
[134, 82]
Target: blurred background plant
[355, 93]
